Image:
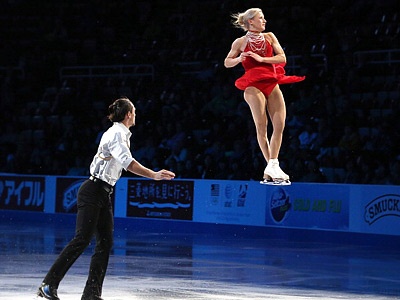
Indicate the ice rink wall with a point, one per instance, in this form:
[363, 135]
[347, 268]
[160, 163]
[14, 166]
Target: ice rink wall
[342, 208]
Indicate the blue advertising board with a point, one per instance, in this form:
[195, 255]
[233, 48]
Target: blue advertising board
[229, 202]
[160, 199]
[373, 209]
[250, 203]
[308, 206]
[22, 192]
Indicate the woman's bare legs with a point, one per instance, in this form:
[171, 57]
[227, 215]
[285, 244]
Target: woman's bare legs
[277, 113]
[258, 106]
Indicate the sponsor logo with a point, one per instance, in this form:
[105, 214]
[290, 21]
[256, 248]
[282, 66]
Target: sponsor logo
[160, 199]
[214, 197]
[22, 193]
[383, 206]
[279, 204]
[235, 195]
[241, 200]
[70, 196]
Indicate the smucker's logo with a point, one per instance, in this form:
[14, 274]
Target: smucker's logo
[279, 204]
[70, 196]
[383, 206]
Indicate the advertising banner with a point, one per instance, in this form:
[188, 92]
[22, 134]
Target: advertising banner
[308, 206]
[67, 193]
[22, 192]
[251, 203]
[375, 209]
[160, 199]
[229, 202]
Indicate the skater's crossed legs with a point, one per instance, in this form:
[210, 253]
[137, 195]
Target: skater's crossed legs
[276, 109]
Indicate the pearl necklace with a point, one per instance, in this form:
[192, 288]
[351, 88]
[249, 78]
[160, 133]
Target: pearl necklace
[256, 42]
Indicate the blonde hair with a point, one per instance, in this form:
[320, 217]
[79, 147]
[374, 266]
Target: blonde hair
[240, 20]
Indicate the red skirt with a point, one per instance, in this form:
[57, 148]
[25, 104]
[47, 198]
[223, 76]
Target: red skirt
[265, 78]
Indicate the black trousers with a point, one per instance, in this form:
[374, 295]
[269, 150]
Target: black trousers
[94, 217]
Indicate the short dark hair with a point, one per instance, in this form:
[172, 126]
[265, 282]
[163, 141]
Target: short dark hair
[119, 108]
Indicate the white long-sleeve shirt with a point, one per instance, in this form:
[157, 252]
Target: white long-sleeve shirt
[113, 154]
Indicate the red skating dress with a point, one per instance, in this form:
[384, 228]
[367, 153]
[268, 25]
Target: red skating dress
[263, 76]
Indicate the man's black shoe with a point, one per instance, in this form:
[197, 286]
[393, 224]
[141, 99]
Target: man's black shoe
[48, 292]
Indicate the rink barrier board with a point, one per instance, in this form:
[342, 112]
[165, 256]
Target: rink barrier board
[246, 207]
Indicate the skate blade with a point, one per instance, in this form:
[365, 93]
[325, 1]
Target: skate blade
[276, 182]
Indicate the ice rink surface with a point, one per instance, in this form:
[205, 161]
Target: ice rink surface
[199, 266]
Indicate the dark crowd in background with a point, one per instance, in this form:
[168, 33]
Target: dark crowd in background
[342, 122]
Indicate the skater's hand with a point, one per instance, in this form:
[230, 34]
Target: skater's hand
[164, 175]
[253, 55]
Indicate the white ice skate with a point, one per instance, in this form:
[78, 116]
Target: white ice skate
[274, 175]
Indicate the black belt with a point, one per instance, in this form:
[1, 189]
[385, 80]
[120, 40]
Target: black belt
[106, 186]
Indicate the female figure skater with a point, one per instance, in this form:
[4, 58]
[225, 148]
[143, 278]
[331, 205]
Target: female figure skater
[263, 60]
